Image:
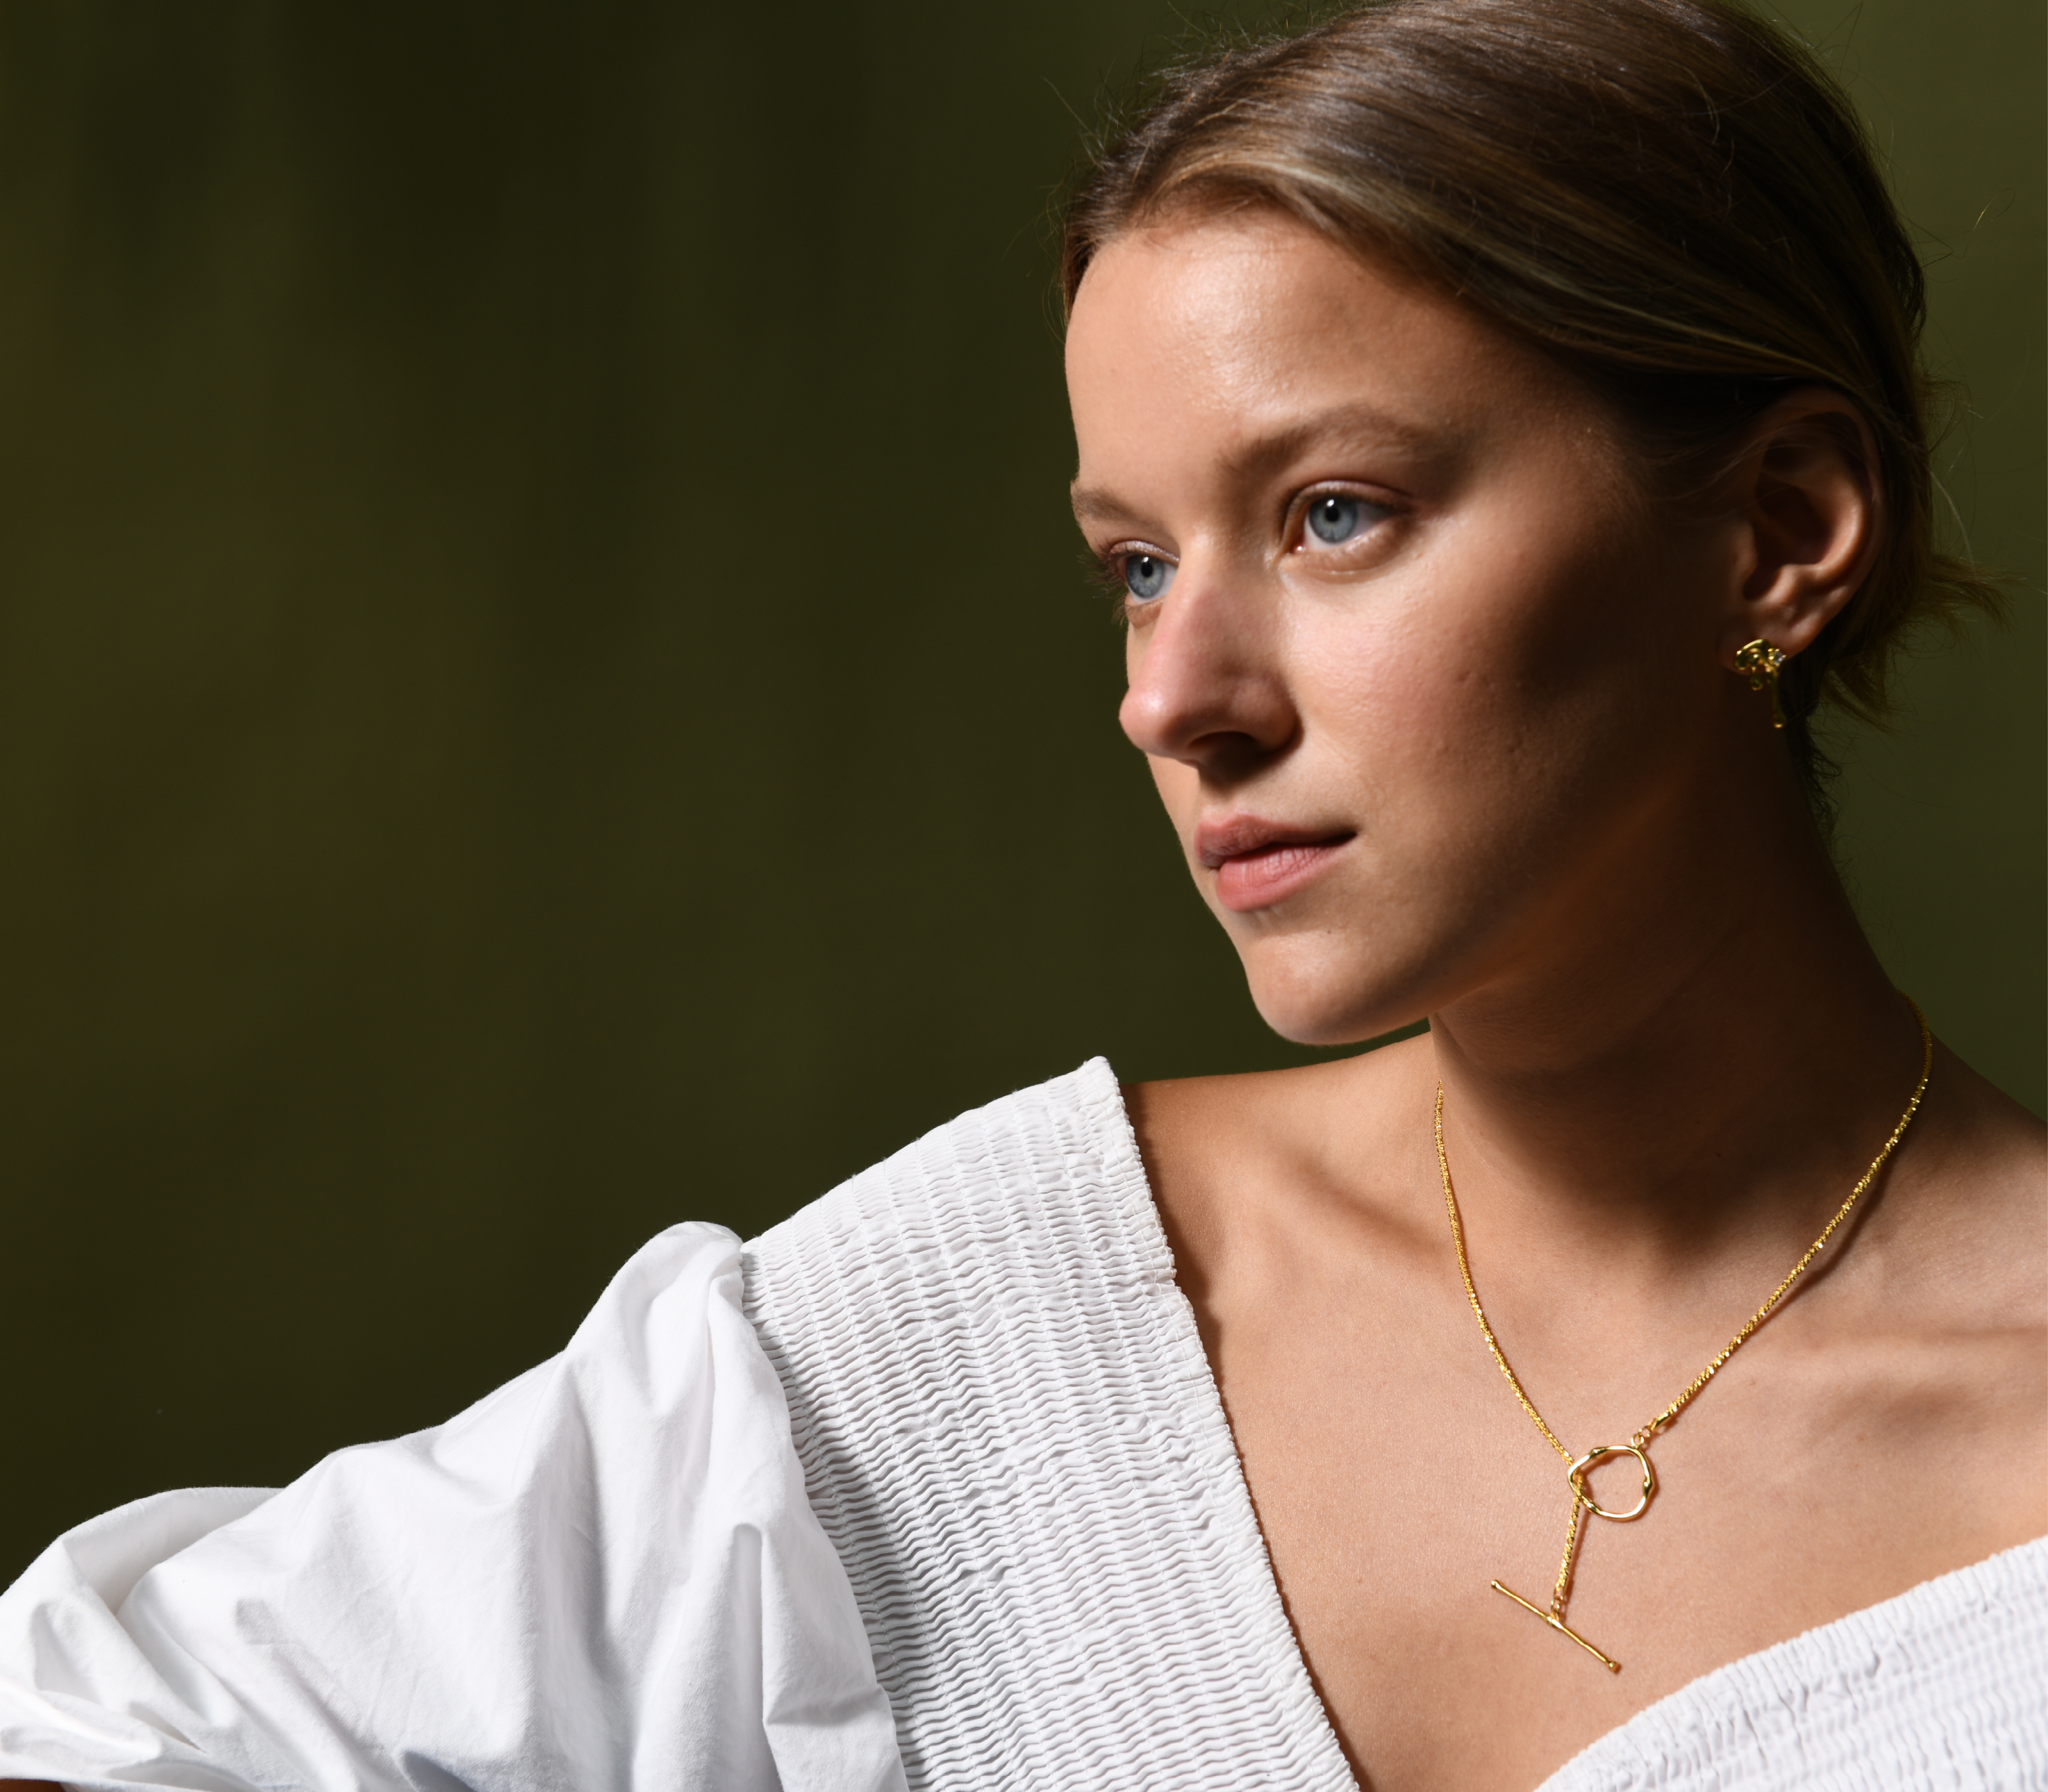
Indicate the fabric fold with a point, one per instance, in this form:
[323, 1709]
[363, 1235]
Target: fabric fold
[605, 1574]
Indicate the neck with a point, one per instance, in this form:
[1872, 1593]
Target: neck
[1697, 1052]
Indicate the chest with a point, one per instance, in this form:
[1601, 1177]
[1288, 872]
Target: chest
[1396, 1478]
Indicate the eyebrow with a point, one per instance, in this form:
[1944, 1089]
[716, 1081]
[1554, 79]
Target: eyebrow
[1346, 425]
[1095, 503]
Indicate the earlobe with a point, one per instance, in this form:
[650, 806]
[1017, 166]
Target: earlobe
[1809, 505]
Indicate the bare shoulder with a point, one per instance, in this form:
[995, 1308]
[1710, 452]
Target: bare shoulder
[2003, 1137]
[1214, 1146]
[1978, 1204]
[1193, 1126]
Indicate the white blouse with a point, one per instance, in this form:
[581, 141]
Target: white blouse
[930, 1486]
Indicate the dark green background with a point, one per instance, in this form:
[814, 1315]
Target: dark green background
[548, 688]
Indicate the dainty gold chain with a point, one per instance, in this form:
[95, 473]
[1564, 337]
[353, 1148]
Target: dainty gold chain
[1735, 1343]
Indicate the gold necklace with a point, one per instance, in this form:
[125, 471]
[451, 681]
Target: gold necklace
[1637, 1445]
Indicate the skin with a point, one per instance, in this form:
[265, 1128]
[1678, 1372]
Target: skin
[1561, 826]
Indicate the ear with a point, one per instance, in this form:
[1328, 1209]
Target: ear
[1804, 498]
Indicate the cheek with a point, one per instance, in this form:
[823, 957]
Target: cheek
[1499, 691]
[1405, 698]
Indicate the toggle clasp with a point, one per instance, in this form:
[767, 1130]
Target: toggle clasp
[1592, 1459]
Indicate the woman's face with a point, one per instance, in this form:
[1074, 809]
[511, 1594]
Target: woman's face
[1415, 665]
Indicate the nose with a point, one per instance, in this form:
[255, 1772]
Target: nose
[1207, 685]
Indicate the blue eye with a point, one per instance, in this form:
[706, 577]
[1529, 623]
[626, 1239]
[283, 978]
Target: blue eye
[1145, 576]
[1334, 518]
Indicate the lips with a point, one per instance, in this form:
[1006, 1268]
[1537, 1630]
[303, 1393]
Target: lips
[1258, 862]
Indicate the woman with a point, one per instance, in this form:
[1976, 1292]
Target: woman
[1502, 426]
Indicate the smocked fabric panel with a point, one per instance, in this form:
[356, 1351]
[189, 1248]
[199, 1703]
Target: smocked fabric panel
[1011, 1435]
[1945, 1686]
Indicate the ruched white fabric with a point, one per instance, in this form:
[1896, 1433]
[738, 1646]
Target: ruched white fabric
[1945, 1686]
[604, 1575]
[1013, 1437]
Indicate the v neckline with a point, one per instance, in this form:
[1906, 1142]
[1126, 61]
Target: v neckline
[1777, 1663]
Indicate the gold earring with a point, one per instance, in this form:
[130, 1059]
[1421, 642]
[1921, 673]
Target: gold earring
[1761, 660]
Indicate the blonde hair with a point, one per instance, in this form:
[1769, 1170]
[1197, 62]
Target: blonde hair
[1669, 197]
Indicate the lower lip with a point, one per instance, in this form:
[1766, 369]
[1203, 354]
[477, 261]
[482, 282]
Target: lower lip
[1258, 880]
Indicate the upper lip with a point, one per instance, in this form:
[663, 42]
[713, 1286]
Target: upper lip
[1215, 841]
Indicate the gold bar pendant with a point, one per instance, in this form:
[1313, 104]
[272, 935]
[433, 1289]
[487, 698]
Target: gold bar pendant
[1558, 1623]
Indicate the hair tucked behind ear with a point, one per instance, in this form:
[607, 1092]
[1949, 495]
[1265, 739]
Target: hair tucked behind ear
[1669, 197]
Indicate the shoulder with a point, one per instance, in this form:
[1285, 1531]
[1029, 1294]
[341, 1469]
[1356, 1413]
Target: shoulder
[1019, 1202]
[1056, 1140]
[952, 1288]
[1964, 1234]
[1219, 1148]
[1198, 1120]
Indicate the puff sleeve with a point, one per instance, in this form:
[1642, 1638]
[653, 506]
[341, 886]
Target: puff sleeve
[604, 1575]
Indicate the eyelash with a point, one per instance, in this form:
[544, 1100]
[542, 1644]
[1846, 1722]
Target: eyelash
[1106, 573]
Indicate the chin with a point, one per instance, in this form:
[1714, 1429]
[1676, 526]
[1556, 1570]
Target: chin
[1313, 1000]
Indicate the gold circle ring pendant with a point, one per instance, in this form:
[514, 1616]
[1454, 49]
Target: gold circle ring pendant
[1591, 1460]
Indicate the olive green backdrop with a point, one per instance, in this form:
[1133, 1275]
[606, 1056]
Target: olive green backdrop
[548, 686]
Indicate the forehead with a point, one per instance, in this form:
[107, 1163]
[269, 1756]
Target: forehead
[1245, 322]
